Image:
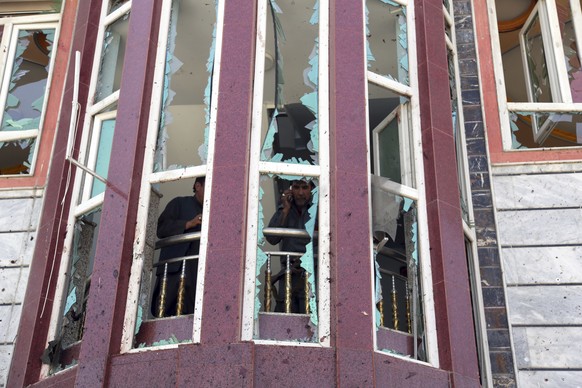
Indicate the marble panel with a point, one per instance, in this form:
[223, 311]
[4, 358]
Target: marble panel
[550, 378]
[13, 284]
[5, 357]
[545, 305]
[547, 347]
[15, 214]
[538, 191]
[9, 319]
[542, 265]
[11, 246]
[540, 227]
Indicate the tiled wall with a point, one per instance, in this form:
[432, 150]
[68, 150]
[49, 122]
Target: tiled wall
[494, 299]
[19, 213]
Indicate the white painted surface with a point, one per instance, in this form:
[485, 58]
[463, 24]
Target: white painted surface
[542, 265]
[545, 305]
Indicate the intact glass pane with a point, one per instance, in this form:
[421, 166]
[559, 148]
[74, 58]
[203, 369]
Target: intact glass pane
[28, 80]
[290, 107]
[572, 56]
[387, 39]
[103, 155]
[114, 42]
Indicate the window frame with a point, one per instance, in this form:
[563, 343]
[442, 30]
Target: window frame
[12, 25]
[416, 193]
[149, 178]
[320, 171]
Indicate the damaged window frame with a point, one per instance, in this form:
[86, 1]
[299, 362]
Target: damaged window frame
[411, 188]
[82, 201]
[8, 44]
[142, 248]
[557, 77]
[293, 169]
[466, 200]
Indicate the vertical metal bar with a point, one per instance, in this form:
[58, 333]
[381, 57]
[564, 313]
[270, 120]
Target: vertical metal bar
[394, 305]
[288, 286]
[306, 274]
[414, 307]
[380, 305]
[163, 288]
[268, 289]
[181, 290]
[408, 321]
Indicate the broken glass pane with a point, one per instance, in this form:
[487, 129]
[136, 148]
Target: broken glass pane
[60, 350]
[570, 46]
[388, 40]
[185, 111]
[114, 41]
[103, 155]
[390, 135]
[287, 259]
[29, 74]
[566, 132]
[290, 126]
[539, 83]
[115, 4]
[16, 156]
[398, 297]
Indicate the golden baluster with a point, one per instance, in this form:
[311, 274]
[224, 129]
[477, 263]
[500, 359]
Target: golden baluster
[163, 290]
[408, 320]
[181, 290]
[288, 286]
[268, 287]
[306, 291]
[394, 305]
[380, 306]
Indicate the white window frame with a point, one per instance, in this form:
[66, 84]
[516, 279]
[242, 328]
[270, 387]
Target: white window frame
[417, 193]
[81, 201]
[321, 171]
[556, 68]
[8, 43]
[150, 178]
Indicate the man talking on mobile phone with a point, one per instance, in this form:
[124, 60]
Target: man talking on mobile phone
[292, 212]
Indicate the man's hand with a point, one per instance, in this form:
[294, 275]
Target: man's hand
[194, 222]
[286, 199]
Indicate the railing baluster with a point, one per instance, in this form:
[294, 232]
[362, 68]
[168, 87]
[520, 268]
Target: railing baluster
[380, 306]
[394, 305]
[181, 290]
[163, 290]
[306, 291]
[268, 289]
[288, 286]
[408, 320]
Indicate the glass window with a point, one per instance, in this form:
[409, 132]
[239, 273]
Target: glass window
[24, 86]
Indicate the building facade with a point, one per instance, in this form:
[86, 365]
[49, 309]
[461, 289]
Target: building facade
[430, 149]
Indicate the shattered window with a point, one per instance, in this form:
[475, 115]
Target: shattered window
[171, 221]
[23, 96]
[541, 65]
[114, 5]
[395, 200]
[63, 350]
[387, 39]
[283, 295]
[113, 53]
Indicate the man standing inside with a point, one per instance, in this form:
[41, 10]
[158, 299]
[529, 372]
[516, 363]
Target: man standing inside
[292, 213]
[182, 215]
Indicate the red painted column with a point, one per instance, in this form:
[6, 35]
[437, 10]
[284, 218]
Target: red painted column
[353, 311]
[454, 318]
[222, 304]
[78, 31]
[113, 257]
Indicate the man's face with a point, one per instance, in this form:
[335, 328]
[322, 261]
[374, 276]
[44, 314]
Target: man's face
[199, 191]
[301, 191]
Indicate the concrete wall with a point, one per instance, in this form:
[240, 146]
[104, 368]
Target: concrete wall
[539, 216]
[19, 214]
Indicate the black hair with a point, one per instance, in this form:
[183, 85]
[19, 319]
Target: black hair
[201, 180]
